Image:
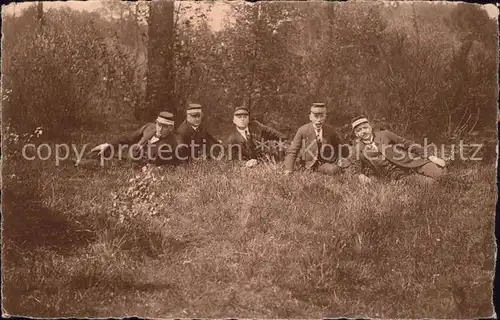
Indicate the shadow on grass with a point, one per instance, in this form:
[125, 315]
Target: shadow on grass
[28, 225]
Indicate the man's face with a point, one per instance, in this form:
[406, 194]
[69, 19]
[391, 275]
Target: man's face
[317, 118]
[163, 130]
[241, 120]
[364, 131]
[194, 118]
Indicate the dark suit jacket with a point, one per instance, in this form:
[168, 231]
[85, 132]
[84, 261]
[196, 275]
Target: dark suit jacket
[199, 137]
[168, 150]
[160, 152]
[399, 151]
[255, 148]
[304, 147]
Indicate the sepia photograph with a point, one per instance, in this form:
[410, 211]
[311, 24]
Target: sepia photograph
[237, 159]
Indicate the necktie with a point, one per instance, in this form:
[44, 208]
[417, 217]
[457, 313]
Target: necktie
[372, 146]
[319, 139]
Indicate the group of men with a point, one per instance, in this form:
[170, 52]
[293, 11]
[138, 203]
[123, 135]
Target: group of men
[316, 146]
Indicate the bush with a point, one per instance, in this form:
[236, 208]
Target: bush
[64, 80]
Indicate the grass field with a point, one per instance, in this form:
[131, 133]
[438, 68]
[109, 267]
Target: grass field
[217, 240]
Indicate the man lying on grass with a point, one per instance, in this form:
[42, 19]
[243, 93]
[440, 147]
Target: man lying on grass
[196, 134]
[386, 155]
[316, 145]
[251, 139]
[153, 143]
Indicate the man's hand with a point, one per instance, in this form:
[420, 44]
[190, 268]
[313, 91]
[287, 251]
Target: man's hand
[364, 179]
[101, 148]
[251, 163]
[343, 163]
[438, 161]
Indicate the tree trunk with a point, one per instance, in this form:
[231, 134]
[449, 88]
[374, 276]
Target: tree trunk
[39, 11]
[160, 73]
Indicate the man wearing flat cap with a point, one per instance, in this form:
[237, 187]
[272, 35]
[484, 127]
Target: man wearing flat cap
[249, 139]
[153, 143]
[316, 145]
[194, 133]
[386, 155]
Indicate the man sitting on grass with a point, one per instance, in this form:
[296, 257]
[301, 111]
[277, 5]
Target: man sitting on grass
[387, 155]
[250, 139]
[153, 143]
[317, 145]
